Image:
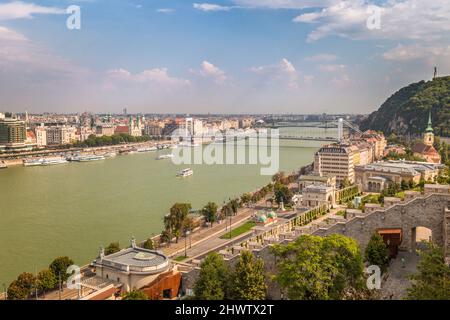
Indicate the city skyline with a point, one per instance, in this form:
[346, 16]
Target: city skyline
[237, 56]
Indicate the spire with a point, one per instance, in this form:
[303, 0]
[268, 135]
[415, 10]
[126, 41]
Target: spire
[430, 124]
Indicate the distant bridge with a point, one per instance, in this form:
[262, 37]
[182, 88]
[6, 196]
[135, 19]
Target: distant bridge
[341, 125]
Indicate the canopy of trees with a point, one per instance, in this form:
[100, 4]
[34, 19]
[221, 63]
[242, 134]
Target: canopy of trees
[319, 268]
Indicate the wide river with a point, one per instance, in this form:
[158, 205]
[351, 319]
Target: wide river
[72, 209]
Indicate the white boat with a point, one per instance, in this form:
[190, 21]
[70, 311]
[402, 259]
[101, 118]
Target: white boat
[3, 165]
[185, 173]
[147, 149]
[87, 158]
[165, 156]
[33, 162]
[53, 161]
[110, 155]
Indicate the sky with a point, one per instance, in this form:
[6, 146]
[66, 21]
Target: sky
[221, 56]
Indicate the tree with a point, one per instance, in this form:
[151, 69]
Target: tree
[432, 280]
[234, 205]
[113, 247]
[46, 280]
[248, 281]
[282, 193]
[149, 244]
[319, 268]
[59, 267]
[377, 253]
[173, 222]
[212, 283]
[210, 212]
[17, 292]
[135, 295]
[246, 198]
[278, 177]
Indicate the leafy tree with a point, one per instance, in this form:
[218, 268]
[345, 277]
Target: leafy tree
[17, 292]
[210, 212]
[149, 244]
[432, 280]
[279, 177]
[246, 198]
[282, 193]
[173, 222]
[319, 268]
[46, 280]
[135, 295]
[113, 247]
[234, 205]
[377, 253]
[59, 267]
[212, 283]
[248, 278]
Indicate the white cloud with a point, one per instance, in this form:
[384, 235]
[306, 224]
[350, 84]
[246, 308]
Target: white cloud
[284, 4]
[165, 10]
[208, 70]
[282, 72]
[158, 76]
[400, 19]
[209, 7]
[23, 10]
[331, 67]
[322, 57]
[426, 54]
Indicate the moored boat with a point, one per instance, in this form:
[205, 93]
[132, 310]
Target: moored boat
[3, 165]
[165, 156]
[185, 173]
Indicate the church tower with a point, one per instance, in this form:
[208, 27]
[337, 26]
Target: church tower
[428, 137]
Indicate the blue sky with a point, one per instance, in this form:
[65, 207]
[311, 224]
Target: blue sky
[236, 56]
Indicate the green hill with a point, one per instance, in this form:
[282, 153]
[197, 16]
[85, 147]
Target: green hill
[406, 111]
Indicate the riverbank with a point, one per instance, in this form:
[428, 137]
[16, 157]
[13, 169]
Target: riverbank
[72, 209]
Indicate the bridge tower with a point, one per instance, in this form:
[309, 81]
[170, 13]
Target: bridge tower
[340, 129]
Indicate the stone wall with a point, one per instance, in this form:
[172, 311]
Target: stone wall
[420, 212]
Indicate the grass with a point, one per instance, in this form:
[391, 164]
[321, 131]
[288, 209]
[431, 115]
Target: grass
[239, 230]
[181, 258]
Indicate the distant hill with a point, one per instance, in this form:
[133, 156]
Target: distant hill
[406, 111]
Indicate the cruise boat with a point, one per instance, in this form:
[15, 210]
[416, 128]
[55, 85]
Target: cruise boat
[87, 158]
[185, 173]
[53, 161]
[165, 156]
[3, 165]
[33, 162]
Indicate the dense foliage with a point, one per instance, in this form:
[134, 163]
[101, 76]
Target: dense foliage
[319, 268]
[94, 141]
[248, 281]
[406, 112]
[432, 280]
[213, 280]
[135, 295]
[113, 247]
[377, 253]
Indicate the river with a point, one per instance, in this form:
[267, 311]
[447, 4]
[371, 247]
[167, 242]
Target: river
[72, 209]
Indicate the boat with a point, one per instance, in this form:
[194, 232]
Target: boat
[165, 156]
[110, 155]
[3, 165]
[185, 173]
[53, 161]
[87, 158]
[147, 149]
[33, 162]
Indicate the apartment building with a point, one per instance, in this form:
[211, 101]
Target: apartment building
[336, 160]
[58, 135]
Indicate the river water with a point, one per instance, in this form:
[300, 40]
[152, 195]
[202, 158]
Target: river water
[72, 209]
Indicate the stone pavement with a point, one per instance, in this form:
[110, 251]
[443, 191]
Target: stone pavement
[395, 286]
